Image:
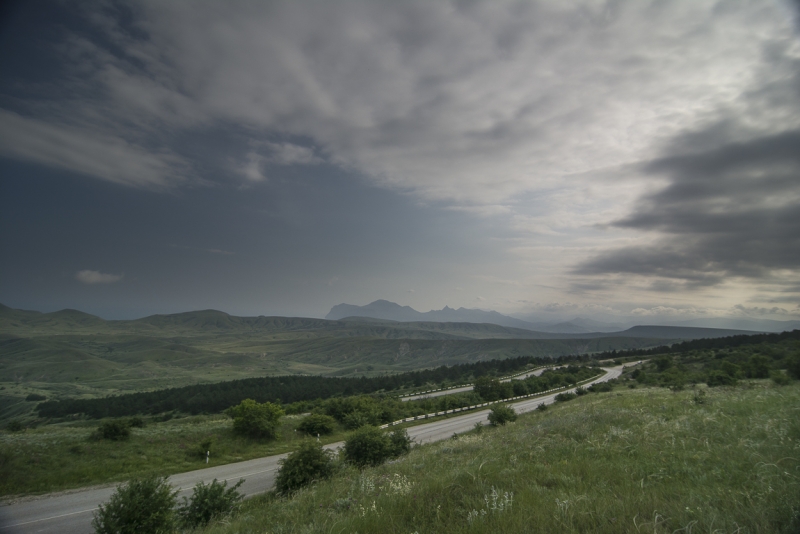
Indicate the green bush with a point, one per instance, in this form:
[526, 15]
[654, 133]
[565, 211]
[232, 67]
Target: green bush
[541, 407]
[720, 378]
[399, 441]
[566, 396]
[368, 445]
[209, 502]
[35, 397]
[601, 387]
[113, 430]
[136, 422]
[793, 366]
[316, 424]
[141, 505]
[779, 378]
[308, 463]
[356, 420]
[502, 414]
[580, 391]
[15, 426]
[256, 420]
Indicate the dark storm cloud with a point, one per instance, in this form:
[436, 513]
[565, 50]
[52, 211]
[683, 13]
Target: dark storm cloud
[732, 211]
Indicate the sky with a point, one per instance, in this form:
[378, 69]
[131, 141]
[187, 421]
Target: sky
[545, 159]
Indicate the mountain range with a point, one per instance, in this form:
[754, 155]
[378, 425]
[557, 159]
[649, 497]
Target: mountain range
[386, 310]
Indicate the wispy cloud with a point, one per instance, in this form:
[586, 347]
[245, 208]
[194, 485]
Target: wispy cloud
[96, 277]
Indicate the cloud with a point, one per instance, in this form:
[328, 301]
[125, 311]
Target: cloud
[468, 104]
[96, 277]
[86, 152]
[733, 211]
[290, 154]
[755, 311]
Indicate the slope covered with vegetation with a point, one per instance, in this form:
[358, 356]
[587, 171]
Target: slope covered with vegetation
[635, 460]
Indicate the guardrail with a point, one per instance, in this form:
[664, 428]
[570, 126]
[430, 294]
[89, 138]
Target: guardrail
[509, 377]
[476, 406]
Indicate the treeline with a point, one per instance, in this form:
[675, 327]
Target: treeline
[214, 398]
[355, 411]
[704, 344]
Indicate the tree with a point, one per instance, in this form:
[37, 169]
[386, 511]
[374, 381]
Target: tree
[368, 445]
[308, 463]
[793, 366]
[317, 424]
[488, 388]
[399, 441]
[141, 505]
[256, 420]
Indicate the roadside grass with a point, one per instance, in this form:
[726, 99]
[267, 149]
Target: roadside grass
[63, 456]
[642, 460]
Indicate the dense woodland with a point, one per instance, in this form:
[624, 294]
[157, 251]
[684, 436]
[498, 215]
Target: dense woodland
[707, 344]
[214, 398]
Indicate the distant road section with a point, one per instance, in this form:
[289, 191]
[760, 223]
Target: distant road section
[71, 513]
[537, 372]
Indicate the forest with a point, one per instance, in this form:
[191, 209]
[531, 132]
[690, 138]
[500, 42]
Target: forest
[214, 398]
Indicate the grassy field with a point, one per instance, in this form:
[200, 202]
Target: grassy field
[57, 457]
[643, 460]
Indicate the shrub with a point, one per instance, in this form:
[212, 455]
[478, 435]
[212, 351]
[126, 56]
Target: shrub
[15, 426]
[136, 422]
[580, 391]
[542, 407]
[793, 366]
[202, 450]
[209, 502]
[368, 445]
[35, 397]
[502, 414]
[113, 430]
[566, 396]
[141, 505]
[256, 420]
[700, 397]
[317, 424]
[779, 378]
[720, 378]
[757, 367]
[308, 463]
[356, 420]
[399, 441]
[600, 387]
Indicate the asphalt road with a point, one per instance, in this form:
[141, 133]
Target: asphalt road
[71, 512]
[537, 372]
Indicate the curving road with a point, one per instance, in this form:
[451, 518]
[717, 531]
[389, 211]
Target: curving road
[71, 512]
[537, 372]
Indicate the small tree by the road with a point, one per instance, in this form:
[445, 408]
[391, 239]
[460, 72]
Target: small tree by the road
[317, 423]
[208, 502]
[368, 445]
[308, 463]
[141, 505]
[502, 414]
[257, 420]
[399, 441]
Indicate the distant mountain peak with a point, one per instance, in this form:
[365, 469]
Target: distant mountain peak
[391, 311]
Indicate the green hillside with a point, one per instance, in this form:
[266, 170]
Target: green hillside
[71, 354]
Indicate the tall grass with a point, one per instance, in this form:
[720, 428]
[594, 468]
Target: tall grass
[643, 461]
